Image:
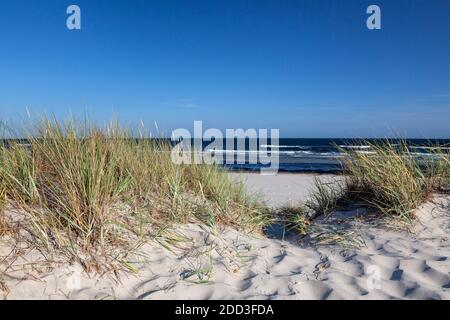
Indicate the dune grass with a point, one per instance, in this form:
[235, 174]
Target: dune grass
[3, 226]
[393, 180]
[390, 179]
[326, 197]
[296, 219]
[81, 187]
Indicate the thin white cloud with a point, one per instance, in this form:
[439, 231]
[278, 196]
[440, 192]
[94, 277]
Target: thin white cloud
[183, 103]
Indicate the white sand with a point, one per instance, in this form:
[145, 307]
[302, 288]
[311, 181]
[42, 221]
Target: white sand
[283, 188]
[233, 265]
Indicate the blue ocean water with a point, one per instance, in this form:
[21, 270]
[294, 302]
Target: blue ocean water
[324, 155]
[307, 155]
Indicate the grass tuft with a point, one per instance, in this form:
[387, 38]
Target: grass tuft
[390, 179]
[325, 197]
[3, 225]
[393, 180]
[86, 188]
[297, 219]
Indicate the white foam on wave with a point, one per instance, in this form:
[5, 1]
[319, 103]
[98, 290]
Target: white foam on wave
[249, 151]
[285, 146]
[355, 147]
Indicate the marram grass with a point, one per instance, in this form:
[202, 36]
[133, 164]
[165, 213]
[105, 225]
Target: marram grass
[86, 187]
[391, 180]
[3, 226]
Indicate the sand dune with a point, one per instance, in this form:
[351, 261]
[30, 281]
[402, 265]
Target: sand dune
[213, 263]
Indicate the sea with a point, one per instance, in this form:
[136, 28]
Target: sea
[297, 155]
[323, 155]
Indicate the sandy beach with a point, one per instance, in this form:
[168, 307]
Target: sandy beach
[224, 150]
[375, 262]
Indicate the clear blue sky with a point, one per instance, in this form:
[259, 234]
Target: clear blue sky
[310, 68]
